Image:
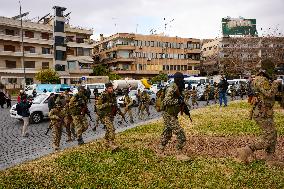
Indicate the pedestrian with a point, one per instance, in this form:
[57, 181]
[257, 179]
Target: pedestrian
[56, 116]
[223, 87]
[263, 102]
[2, 99]
[8, 99]
[128, 102]
[24, 107]
[78, 109]
[171, 103]
[107, 107]
[51, 101]
[34, 93]
[88, 94]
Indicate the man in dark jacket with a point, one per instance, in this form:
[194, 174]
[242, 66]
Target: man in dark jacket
[223, 86]
[51, 101]
[2, 99]
[25, 113]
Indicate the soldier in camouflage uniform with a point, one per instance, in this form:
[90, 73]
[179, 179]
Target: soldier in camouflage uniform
[139, 95]
[187, 95]
[56, 122]
[207, 93]
[107, 107]
[263, 103]
[145, 104]
[78, 105]
[242, 91]
[194, 97]
[171, 104]
[233, 92]
[216, 92]
[68, 118]
[128, 102]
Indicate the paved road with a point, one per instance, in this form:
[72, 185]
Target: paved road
[15, 149]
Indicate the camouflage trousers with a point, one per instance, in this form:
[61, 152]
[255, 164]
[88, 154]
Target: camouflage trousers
[56, 133]
[233, 95]
[110, 130]
[172, 126]
[80, 123]
[206, 96]
[69, 127]
[144, 107]
[268, 138]
[194, 101]
[129, 111]
[216, 97]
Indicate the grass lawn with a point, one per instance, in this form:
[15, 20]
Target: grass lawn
[212, 138]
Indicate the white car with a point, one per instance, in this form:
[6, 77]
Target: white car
[133, 96]
[39, 109]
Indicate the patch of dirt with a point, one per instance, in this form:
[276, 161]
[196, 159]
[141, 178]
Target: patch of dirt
[217, 147]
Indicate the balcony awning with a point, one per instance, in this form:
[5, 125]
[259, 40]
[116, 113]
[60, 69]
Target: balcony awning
[82, 59]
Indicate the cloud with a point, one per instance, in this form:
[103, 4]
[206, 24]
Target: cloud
[192, 18]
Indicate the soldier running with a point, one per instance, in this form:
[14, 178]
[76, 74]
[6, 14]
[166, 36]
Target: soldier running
[145, 104]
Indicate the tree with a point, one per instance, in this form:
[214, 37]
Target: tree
[47, 76]
[114, 77]
[100, 70]
[159, 78]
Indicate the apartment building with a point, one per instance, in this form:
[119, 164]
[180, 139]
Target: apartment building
[39, 43]
[138, 56]
[240, 55]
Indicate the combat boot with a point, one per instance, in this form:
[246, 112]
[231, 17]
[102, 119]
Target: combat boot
[243, 154]
[80, 141]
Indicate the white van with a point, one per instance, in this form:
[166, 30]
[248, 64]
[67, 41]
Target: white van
[100, 86]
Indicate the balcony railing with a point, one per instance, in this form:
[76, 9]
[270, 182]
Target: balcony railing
[27, 54]
[18, 38]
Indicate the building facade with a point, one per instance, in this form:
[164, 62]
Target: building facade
[39, 43]
[138, 56]
[240, 55]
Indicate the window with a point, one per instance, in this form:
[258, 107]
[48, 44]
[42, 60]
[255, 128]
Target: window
[30, 64]
[10, 64]
[80, 51]
[70, 51]
[59, 41]
[12, 80]
[45, 36]
[9, 48]
[178, 67]
[80, 40]
[29, 34]
[9, 32]
[45, 50]
[45, 65]
[87, 52]
[189, 67]
[30, 49]
[60, 55]
[136, 43]
[59, 67]
[152, 43]
[72, 65]
[29, 81]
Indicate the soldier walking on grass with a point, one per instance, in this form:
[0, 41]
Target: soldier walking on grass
[263, 102]
[207, 93]
[171, 103]
[233, 92]
[194, 97]
[145, 104]
[216, 92]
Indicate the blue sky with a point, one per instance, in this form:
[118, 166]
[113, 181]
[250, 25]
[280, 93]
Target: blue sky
[192, 18]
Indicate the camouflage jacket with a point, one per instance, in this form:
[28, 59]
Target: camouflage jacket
[128, 101]
[194, 93]
[186, 94]
[170, 101]
[76, 103]
[106, 103]
[145, 98]
[56, 115]
[265, 92]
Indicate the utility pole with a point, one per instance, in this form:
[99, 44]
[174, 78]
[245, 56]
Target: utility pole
[22, 48]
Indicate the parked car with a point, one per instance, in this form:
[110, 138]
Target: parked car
[133, 96]
[39, 109]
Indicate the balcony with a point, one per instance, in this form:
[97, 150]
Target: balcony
[124, 71]
[27, 54]
[81, 71]
[17, 38]
[191, 61]
[118, 47]
[19, 70]
[148, 72]
[109, 61]
[83, 45]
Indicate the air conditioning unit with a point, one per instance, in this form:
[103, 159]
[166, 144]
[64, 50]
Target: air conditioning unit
[140, 47]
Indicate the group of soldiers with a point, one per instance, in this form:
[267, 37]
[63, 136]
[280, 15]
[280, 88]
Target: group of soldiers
[72, 111]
